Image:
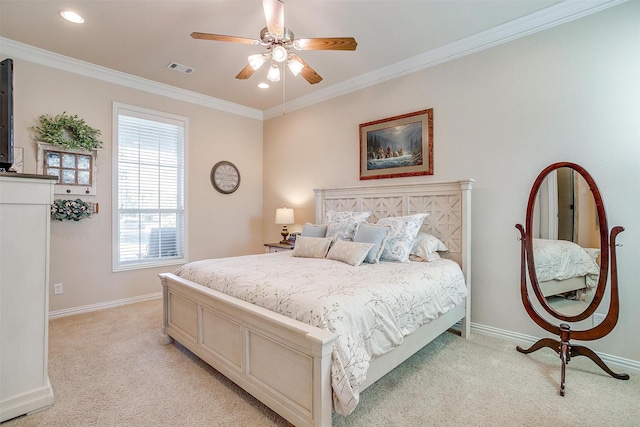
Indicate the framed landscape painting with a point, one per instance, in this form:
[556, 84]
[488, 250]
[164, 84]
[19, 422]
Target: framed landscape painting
[398, 146]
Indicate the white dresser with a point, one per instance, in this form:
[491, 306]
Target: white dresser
[25, 203]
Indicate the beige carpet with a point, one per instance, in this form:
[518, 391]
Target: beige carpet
[567, 306]
[107, 368]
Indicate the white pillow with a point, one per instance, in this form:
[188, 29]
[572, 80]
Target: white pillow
[342, 225]
[372, 233]
[352, 253]
[311, 247]
[427, 246]
[401, 237]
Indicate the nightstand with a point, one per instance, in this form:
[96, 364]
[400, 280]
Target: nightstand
[277, 247]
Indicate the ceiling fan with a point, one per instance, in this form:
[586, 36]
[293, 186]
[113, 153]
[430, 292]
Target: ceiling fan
[279, 41]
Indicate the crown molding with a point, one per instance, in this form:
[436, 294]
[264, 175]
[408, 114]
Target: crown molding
[541, 20]
[43, 57]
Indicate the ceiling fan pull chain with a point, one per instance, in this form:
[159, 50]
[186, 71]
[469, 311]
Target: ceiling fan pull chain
[284, 81]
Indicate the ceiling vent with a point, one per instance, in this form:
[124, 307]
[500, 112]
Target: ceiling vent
[179, 67]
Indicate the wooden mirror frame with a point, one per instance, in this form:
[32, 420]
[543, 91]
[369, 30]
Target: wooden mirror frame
[604, 242]
[608, 254]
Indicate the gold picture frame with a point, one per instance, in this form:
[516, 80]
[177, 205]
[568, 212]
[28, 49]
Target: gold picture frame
[398, 146]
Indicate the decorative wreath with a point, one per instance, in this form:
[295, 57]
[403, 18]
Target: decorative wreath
[72, 210]
[68, 132]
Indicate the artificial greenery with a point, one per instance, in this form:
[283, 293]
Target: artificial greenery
[70, 210]
[67, 131]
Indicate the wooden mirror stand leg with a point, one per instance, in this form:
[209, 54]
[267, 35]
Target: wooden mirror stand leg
[566, 351]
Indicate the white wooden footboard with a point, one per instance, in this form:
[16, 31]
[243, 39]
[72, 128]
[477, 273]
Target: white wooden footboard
[282, 362]
[555, 287]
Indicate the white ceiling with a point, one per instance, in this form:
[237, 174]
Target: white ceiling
[142, 37]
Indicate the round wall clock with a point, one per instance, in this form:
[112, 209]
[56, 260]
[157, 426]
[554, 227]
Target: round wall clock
[225, 177]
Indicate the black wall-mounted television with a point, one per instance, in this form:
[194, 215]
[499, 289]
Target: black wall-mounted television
[6, 115]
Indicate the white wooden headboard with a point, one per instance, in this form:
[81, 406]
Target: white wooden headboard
[447, 203]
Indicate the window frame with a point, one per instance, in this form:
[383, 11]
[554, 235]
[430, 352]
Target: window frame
[162, 117]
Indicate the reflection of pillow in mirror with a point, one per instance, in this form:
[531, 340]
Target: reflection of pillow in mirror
[427, 246]
[372, 233]
[352, 253]
[401, 237]
[342, 225]
[311, 247]
[314, 230]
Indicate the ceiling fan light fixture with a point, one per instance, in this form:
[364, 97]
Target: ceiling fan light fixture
[279, 53]
[295, 66]
[274, 73]
[256, 61]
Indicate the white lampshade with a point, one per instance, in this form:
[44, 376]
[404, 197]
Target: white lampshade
[295, 66]
[279, 54]
[256, 61]
[274, 73]
[284, 216]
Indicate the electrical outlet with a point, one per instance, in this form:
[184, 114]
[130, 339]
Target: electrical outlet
[57, 288]
[598, 318]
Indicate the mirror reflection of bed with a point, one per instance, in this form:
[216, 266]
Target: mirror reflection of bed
[566, 244]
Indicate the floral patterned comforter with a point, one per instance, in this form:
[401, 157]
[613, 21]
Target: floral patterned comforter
[370, 308]
[561, 259]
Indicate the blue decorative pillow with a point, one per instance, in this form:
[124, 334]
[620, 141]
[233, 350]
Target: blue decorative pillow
[314, 230]
[404, 230]
[342, 225]
[371, 233]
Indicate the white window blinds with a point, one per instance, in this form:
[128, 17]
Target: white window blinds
[149, 218]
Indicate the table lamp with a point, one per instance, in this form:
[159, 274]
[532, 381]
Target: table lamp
[284, 216]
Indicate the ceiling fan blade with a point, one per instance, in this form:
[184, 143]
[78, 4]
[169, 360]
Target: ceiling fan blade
[326, 43]
[222, 38]
[245, 73]
[308, 73]
[274, 14]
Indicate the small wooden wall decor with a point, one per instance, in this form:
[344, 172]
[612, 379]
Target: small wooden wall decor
[397, 146]
[76, 169]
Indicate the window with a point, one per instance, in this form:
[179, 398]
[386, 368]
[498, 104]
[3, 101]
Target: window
[149, 188]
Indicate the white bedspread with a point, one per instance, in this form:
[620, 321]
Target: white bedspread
[561, 259]
[370, 307]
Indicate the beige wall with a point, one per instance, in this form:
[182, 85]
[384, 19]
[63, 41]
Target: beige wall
[219, 225]
[571, 93]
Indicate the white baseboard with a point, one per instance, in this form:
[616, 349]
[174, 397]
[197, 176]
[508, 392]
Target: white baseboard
[625, 364]
[103, 305]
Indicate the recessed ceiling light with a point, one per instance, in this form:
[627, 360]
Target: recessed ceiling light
[71, 16]
[263, 85]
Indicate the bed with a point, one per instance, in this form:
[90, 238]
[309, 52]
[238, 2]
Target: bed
[286, 363]
[563, 267]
